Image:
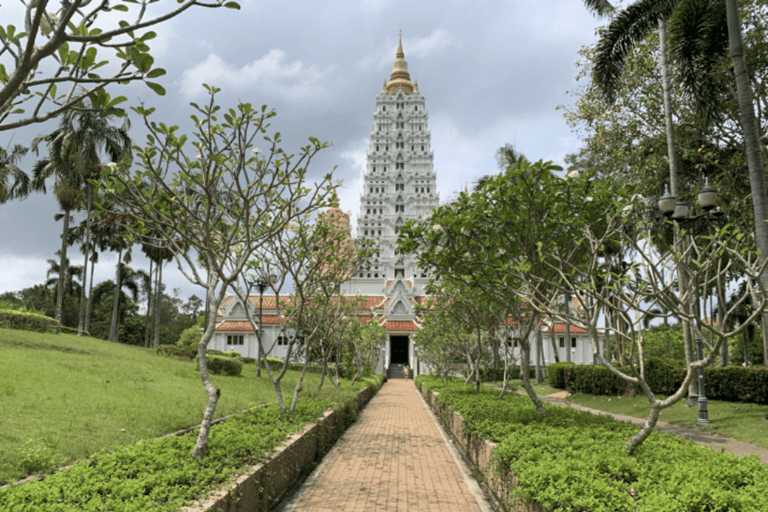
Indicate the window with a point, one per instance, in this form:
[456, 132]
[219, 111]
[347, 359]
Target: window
[562, 342]
[282, 340]
[235, 339]
[573, 342]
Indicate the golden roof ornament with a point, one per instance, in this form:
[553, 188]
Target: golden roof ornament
[400, 79]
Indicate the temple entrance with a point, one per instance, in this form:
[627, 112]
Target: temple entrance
[398, 349]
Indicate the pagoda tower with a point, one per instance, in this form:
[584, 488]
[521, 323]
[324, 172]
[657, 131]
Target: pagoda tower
[399, 180]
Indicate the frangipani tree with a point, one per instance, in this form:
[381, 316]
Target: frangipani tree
[214, 200]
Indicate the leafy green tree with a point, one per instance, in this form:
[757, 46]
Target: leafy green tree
[57, 59]
[178, 193]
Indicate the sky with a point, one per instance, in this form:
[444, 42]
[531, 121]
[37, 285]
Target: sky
[493, 73]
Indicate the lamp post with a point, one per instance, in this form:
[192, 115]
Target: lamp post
[262, 284]
[678, 211]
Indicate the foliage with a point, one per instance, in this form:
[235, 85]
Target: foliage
[27, 321]
[664, 342]
[225, 366]
[58, 58]
[573, 460]
[557, 375]
[214, 203]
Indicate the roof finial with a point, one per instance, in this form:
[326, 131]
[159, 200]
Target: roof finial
[400, 80]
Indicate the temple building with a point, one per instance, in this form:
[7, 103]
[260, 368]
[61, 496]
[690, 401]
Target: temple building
[399, 185]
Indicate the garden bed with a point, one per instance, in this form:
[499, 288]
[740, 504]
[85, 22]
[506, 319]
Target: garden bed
[254, 458]
[572, 460]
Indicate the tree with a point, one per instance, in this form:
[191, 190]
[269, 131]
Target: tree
[315, 257]
[68, 193]
[593, 215]
[19, 188]
[250, 197]
[83, 135]
[55, 58]
[697, 50]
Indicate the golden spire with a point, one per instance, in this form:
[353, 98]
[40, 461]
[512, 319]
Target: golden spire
[400, 79]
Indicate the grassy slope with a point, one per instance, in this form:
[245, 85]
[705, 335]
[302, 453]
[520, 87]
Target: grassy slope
[64, 397]
[745, 422]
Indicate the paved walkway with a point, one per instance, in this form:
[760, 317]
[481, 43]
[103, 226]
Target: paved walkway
[395, 457]
[701, 437]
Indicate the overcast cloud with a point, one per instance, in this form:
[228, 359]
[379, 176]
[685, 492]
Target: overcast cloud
[493, 72]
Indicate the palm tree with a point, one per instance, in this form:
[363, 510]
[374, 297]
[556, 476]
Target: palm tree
[130, 280]
[83, 135]
[68, 194]
[8, 169]
[698, 37]
[64, 280]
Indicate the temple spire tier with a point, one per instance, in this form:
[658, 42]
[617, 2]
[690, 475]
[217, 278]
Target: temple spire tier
[400, 79]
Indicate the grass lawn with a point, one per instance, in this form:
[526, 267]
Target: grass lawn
[64, 397]
[541, 390]
[745, 422]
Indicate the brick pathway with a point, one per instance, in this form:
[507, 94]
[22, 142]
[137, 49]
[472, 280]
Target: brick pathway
[393, 458]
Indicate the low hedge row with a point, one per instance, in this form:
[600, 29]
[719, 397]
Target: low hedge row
[730, 383]
[497, 374]
[573, 460]
[160, 474]
[28, 322]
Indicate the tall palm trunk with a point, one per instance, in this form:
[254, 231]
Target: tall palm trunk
[63, 269]
[83, 300]
[752, 142]
[149, 305]
[158, 297]
[94, 260]
[113, 330]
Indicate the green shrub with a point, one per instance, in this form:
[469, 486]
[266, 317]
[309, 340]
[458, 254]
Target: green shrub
[177, 352]
[572, 460]
[28, 322]
[596, 380]
[225, 366]
[249, 360]
[737, 384]
[189, 337]
[556, 374]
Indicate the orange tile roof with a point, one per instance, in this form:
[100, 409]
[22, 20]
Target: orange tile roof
[560, 329]
[239, 325]
[398, 325]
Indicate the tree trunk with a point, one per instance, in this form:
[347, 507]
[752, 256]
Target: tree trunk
[90, 293]
[752, 142]
[539, 355]
[567, 306]
[148, 321]
[81, 316]
[525, 374]
[201, 446]
[671, 147]
[63, 269]
[113, 330]
[158, 298]
[554, 342]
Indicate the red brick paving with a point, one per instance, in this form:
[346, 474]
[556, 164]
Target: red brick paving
[393, 458]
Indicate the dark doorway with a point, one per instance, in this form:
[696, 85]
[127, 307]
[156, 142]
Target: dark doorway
[398, 349]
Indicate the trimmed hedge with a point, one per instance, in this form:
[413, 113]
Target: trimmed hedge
[488, 374]
[556, 374]
[730, 383]
[177, 352]
[28, 322]
[573, 460]
[225, 366]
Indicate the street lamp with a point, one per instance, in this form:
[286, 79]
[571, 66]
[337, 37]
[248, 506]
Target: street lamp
[678, 211]
[262, 284]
